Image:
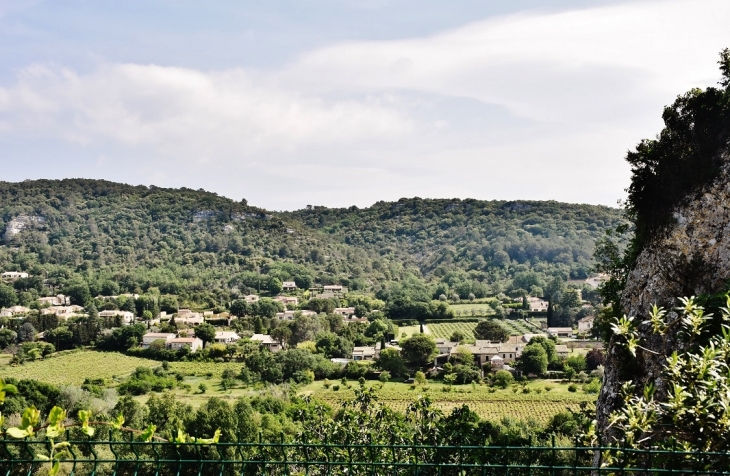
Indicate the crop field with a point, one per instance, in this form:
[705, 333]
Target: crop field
[73, 368]
[472, 310]
[445, 329]
[204, 369]
[493, 406]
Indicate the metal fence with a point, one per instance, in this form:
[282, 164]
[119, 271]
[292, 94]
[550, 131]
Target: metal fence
[157, 458]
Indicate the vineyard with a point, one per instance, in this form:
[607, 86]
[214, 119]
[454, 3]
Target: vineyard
[204, 369]
[493, 406]
[73, 368]
[472, 310]
[444, 330]
[516, 327]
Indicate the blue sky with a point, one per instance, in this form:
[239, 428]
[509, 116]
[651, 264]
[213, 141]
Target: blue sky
[289, 103]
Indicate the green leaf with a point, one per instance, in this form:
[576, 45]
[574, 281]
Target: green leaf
[148, 433]
[56, 417]
[16, 432]
[6, 389]
[118, 422]
[84, 417]
[55, 468]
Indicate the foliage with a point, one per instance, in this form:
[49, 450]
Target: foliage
[491, 330]
[534, 359]
[418, 350]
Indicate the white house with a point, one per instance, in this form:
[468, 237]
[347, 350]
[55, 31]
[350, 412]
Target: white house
[193, 343]
[562, 350]
[267, 341]
[251, 298]
[560, 331]
[64, 311]
[585, 324]
[14, 311]
[150, 337]
[289, 315]
[288, 285]
[344, 311]
[59, 300]
[193, 319]
[226, 337]
[287, 300]
[12, 275]
[127, 317]
[537, 305]
[363, 353]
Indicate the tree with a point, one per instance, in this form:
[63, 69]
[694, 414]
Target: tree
[594, 358]
[26, 333]
[418, 350]
[274, 286]
[503, 378]
[334, 346]
[205, 332]
[79, 293]
[548, 345]
[281, 334]
[457, 336]
[534, 360]
[7, 337]
[8, 297]
[491, 330]
[239, 308]
[463, 356]
[576, 362]
[391, 361]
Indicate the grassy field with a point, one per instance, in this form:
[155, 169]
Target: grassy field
[408, 331]
[74, 367]
[488, 404]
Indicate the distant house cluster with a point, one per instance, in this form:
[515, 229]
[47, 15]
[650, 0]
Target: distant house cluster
[174, 341]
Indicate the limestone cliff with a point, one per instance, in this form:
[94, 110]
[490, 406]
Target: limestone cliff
[690, 257]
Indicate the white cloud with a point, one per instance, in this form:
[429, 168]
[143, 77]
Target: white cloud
[523, 106]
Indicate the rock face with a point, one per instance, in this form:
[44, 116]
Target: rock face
[689, 258]
[19, 223]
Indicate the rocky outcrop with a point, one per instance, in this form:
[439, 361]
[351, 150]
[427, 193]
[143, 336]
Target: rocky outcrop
[688, 258]
[20, 223]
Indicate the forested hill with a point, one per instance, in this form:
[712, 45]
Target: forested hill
[120, 238]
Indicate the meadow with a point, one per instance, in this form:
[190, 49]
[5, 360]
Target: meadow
[72, 368]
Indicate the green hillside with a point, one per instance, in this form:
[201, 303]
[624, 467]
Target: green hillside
[208, 248]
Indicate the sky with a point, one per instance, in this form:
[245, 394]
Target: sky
[340, 103]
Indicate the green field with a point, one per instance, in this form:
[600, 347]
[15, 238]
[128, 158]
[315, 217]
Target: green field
[490, 405]
[408, 331]
[472, 310]
[444, 330]
[73, 368]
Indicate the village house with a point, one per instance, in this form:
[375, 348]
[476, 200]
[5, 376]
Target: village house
[13, 275]
[267, 341]
[14, 311]
[192, 319]
[586, 324]
[251, 298]
[288, 285]
[226, 337]
[354, 318]
[344, 311]
[363, 353]
[150, 337]
[287, 300]
[537, 305]
[59, 300]
[337, 289]
[192, 343]
[64, 311]
[560, 331]
[289, 315]
[127, 316]
[562, 350]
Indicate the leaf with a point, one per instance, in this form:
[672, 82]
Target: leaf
[31, 418]
[16, 432]
[84, 417]
[55, 468]
[56, 417]
[148, 433]
[118, 422]
[6, 389]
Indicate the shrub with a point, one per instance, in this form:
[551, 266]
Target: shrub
[202, 387]
[572, 388]
[503, 378]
